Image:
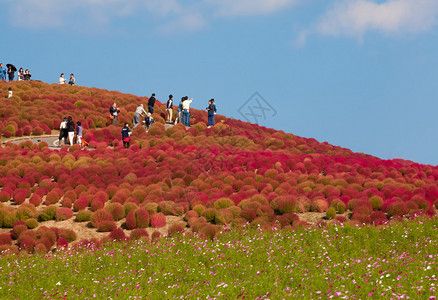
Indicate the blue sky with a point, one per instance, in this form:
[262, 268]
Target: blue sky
[359, 74]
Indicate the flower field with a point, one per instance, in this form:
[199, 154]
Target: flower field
[232, 211]
[201, 178]
[396, 261]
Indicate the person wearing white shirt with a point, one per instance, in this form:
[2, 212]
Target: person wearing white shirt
[138, 112]
[186, 110]
[62, 79]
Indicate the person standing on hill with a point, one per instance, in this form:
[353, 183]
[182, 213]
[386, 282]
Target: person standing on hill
[126, 135]
[62, 79]
[72, 80]
[63, 132]
[186, 110]
[11, 73]
[169, 109]
[10, 92]
[79, 133]
[151, 104]
[179, 112]
[21, 74]
[27, 75]
[70, 129]
[114, 112]
[138, 112]
[211, 112]
[2, 73]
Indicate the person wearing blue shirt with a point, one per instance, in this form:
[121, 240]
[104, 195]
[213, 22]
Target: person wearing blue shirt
[2, 73]
[211, 112]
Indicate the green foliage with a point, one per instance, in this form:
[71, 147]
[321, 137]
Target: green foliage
[48, 213]
[83, 216]
[376, 202]
[331, 213]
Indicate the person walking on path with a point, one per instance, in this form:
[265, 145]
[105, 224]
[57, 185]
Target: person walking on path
[126, 132]
[169, 109]
[63, 131]
[151, 104]
[11, 73]
[114, 112]
[186, 110]
[138, 112]
[79, 133]
[72, 80]
[62, 79]
[70, 129]
[2, 73]
[27, 75]
[211, 112]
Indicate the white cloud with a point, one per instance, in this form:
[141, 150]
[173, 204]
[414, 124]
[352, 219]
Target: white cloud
[186, 22]
[91, 13]
[249, 7]
[357, 17]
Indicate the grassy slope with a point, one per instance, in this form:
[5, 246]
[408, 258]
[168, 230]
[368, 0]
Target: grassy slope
[394, 261]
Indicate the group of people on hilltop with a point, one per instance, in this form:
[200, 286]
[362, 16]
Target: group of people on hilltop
[67, 129]
[9, 73]
[183, 115]
[71, 81]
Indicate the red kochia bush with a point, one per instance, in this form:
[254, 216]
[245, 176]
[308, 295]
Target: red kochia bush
[19, 197]
[62, 242]
[100, 216]
[63, 213]
[5, 239]
[17, 230]
[35, 199]
[28, 244]
[139, 233]
[118, 235]
[81, 203]
[175, 228]
[4, 197]
[158, 220]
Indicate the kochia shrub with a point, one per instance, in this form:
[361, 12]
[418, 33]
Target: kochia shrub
[338, 205]
[331, 213]
[83, 216]
[376, 202]
[47, 213]
[106, 226]
[63, 213]
[19, 197]
[139, 233]
[68, 234]
[118, 234]
[287, 204]
[175, 229]
[81, 203]
[5, 239]
[223, 203]
[117, 210]
[158, 220]
[100, 216]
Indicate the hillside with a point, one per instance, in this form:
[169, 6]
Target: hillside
[198, 179]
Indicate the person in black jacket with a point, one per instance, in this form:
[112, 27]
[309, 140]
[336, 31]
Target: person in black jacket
[169, 109]
[211, 112]
[114, 111]
[126, 132]
[70, 129]
[151, 104]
